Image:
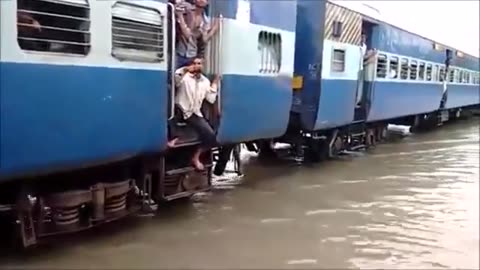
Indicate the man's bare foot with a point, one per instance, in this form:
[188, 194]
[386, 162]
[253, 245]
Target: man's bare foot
[198, 165]
[172, 143]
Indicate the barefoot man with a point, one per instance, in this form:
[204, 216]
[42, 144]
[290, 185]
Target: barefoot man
[192, 89]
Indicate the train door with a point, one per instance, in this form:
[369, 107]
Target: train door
[446, 76]
[177, 127]
[366, 74]
[213, 66]
[177, 177]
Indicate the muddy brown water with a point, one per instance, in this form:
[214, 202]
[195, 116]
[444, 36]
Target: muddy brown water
[412, 203]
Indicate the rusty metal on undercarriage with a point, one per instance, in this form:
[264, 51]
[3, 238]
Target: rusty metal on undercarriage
[76, 210]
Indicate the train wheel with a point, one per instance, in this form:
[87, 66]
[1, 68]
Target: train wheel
[336, 147]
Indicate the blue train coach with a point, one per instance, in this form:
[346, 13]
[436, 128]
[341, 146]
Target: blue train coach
[87, 105]
[342, 102]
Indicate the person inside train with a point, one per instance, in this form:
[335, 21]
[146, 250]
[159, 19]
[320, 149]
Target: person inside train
[194, 30]
[193, 88]
[368, 54]
[28, 27]
[26, 22]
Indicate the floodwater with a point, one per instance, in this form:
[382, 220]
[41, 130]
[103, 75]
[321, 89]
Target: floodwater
[412, 203]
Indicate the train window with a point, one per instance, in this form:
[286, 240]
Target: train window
[466, 78]
[459, 76]
[429, 72]
[435, 72]
[381, 66]
[393, 71]
[404, 69]
[441, 74]
[60, 26]
[421, 71]
[337, 28]
[137, 33]
[338, 60]
[413, 70]
[270, 47]
[451, 75]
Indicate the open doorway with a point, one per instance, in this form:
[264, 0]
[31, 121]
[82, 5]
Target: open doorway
[366, 72]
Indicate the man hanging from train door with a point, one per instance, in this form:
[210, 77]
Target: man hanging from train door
[194, 31]
[366, 57]
[192, 89]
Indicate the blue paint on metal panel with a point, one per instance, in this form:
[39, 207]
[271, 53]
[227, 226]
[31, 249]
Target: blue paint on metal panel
[392, 99]
[275, 14]
[462, 95]
[228, 9]
[467, 61]
[395, 40]
[308, 59]
[55, 116]
[254, 107]
[337, 104]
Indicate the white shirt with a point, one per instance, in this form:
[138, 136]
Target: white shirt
[191, 91]
[363, 52]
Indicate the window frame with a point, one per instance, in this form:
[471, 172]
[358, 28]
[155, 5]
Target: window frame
[87, 44]
[138, 55]
[334, 62]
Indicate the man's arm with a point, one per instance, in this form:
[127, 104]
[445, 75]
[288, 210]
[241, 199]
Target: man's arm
[186, 32]
[370, 55]
[180, 74]
[211, 94]
[213, 30]
[26, 18]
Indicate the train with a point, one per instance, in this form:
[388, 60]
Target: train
[87, 99]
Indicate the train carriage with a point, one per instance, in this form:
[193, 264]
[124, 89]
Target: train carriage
[338, 106]
[87, 105]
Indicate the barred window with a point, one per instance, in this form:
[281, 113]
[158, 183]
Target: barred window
[393, 72]
[338, 60]
[430, 73]
[441, 74]
[451, 75]
[421, 71]
[381, 66]
[466, 78]
[137, 33]
[413, 69]
[54, 26]
[270, 47]
[404, 69]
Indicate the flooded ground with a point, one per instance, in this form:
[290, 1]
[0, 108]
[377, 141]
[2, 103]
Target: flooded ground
[412, 203]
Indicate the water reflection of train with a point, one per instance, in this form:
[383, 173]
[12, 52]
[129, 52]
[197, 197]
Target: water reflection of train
[85, 102]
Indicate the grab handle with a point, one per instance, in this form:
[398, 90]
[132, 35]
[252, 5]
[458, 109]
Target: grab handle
[173, 60]
[219, 61]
